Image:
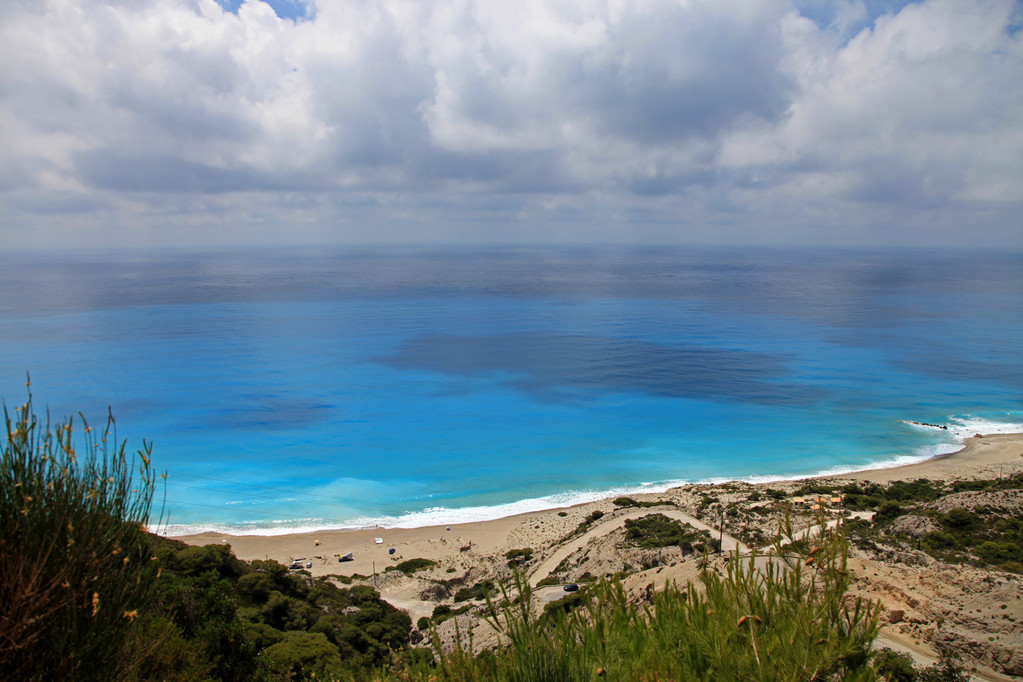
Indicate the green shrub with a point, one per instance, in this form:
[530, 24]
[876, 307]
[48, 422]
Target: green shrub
[998, 552]
[300, 656]
[788, 621]
[888, 511]
[565, 604]
[517, 557]
[86, 594]
[918, 490]
[75, 562]
[478, 591]
[524, 553]
[961, 520]
[442, 612]
[410, 566]
[657, 530]
[813, 488]
[949, 668]
[892, 666]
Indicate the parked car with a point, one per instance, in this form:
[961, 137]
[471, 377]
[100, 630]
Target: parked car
[571, 587]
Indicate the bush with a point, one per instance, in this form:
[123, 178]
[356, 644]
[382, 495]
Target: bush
[86, 594]
[791, 623]
[442, 612]
[998, 552]
[949, 668]
[888, 511]
[657, 530]
[812, 488]
[478, 591]
[410, 566]
[892, 666]
[961, 520]
[524, 553]
[517, 557]
[75, 569]
[301, 655]
[939, 541]
[918, 490]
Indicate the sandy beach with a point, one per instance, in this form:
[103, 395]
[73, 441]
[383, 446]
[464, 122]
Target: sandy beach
[919, 594]
[982, 457]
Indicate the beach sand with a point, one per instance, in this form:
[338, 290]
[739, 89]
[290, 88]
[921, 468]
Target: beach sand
[981, 457]
[933, 602]
[459, 544]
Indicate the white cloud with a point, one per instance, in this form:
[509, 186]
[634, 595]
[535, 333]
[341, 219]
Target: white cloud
[608, 118]
[923, 107]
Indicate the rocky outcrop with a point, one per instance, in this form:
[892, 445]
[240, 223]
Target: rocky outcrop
[993, 654]
[1004, 501]
[913, 526]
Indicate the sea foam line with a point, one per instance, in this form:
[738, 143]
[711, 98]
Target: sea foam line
[953, 439]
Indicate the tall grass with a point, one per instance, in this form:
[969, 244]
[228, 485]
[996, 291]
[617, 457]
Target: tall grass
[75, 564]
[784, 617]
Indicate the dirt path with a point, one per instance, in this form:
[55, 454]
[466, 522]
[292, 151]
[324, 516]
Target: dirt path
[728, 543]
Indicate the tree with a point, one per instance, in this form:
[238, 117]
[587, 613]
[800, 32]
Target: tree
[301, 655]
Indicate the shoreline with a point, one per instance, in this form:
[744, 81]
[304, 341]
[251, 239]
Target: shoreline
[983, 456]
[551, 503]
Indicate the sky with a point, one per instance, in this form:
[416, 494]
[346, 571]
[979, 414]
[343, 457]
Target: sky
[191, 123]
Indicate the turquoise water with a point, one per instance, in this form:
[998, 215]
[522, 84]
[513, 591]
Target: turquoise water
[301, 390]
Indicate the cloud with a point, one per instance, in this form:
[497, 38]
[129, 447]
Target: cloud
[653, 120]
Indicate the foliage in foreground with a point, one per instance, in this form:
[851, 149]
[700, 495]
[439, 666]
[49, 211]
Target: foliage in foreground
[786, 618]
[75, 566]
[87, 594]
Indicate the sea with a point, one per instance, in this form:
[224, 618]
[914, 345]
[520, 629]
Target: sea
[289, 390]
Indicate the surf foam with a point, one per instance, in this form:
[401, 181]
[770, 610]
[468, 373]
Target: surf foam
[959, 428]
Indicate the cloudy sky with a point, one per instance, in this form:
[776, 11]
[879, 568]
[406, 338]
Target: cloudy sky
[194, 122]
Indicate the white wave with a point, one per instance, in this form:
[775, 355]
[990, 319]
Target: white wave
[951, 439]
[432, 516]
[272, 527]
[966, 426]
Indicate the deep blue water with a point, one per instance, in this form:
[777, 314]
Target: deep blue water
[306, 389]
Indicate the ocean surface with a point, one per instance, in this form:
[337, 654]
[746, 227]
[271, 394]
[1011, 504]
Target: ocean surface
[304, 389]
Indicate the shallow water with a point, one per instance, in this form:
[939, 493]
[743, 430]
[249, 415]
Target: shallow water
[288, 390]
